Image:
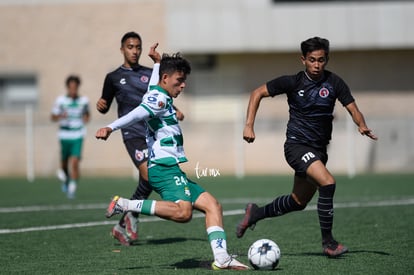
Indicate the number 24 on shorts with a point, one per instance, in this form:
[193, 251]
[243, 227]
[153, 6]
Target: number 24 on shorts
[180, 180]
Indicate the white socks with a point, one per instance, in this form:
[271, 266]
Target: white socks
[146, 207]
[218, 242]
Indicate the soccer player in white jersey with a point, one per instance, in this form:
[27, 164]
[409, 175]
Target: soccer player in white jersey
[72, 113]
[165, 141]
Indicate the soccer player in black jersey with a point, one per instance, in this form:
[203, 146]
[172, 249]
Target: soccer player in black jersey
[127, 84]
[311, 97]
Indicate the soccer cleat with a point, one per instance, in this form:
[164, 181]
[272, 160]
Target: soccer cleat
[119, 233]
[131, 226]
[64, 187]
[71, 190]
[114, 208]
[61, 175]
[245, 222]
[333, 249]
[231, 264]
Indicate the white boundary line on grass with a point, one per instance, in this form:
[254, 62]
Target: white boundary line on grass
[409, 201]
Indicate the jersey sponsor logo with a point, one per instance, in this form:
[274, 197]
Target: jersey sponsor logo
[144, 79]
[324, 92]
[301, 92]
[122, 81]
[152, 98]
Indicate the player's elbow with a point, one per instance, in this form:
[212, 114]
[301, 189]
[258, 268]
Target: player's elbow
[260, 92]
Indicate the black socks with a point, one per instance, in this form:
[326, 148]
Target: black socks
[143, 190]
[325, 210]
[280, 206]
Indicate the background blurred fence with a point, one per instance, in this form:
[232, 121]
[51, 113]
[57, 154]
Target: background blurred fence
[213, 140]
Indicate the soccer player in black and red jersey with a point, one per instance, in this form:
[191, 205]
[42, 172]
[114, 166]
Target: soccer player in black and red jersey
[311, 97]
[127, 84]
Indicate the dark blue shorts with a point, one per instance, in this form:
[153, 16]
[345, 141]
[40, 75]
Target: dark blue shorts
[300, 157]
[137, 149]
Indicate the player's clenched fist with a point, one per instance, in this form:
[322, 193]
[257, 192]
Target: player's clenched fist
[103, 133]
[248, 134]
[101, 105]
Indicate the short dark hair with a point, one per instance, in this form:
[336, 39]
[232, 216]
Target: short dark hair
[314, 44]
[130, 35]
[174, 63]
[73, 78]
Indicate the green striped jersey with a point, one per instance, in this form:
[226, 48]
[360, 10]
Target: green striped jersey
[71, 127]
[164, 136]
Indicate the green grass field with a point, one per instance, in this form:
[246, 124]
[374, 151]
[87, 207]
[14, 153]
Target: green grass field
[41, 232]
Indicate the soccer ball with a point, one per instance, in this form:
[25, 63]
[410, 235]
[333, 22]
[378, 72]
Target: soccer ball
[264, 254]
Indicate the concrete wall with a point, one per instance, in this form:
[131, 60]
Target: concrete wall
[262, 25]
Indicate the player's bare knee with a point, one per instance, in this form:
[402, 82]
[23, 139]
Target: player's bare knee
[184, 214]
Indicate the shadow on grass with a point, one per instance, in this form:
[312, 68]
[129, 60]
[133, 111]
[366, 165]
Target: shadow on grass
[370, 252]
[170, 240]
[192, 263]
[343, 256]
[160, 241]
[184, 264]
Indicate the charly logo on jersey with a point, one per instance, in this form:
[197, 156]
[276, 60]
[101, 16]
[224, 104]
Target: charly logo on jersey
[122, 81]
[301, 92]
[144, 79]
[323, 92]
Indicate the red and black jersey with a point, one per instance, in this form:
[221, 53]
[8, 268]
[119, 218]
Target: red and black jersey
[127, 85]
[311, 105]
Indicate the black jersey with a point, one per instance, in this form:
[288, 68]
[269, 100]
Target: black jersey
[311, 105]
[127, 86]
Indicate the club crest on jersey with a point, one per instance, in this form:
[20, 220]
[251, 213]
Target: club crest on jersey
[161, 104]
[144, 79]
[323, 92]
[139, 155]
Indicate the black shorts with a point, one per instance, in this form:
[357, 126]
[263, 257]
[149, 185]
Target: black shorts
[300, 157]
[137, 149]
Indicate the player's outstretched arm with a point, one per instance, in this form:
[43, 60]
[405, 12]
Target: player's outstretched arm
[254, 102]
[138, 114]
[156, 57]
[359, 120]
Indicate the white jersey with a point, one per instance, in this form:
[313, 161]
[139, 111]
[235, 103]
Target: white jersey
[164, 136]
[71, 127]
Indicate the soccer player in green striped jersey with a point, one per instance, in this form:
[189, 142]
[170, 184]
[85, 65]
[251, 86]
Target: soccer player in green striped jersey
[72, 112]
[179, 194]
